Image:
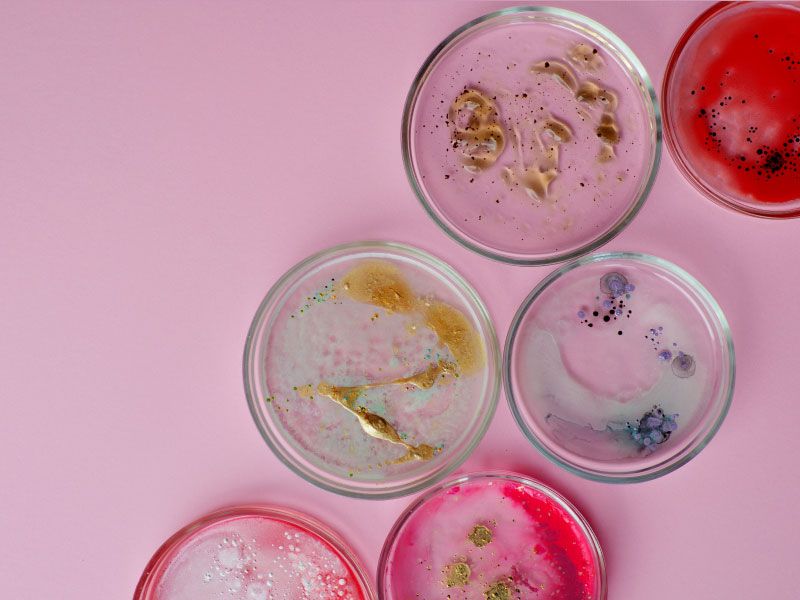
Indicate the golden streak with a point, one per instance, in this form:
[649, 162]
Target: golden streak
[375, 425]
[457, 575]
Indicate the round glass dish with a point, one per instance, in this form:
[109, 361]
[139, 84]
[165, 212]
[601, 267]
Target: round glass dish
[731, 115]
[619, 367]
[372, 369]
[491, 535]
[254, 553]
[531, 135]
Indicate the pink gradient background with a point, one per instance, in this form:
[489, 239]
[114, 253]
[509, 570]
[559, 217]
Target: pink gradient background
[162, 163]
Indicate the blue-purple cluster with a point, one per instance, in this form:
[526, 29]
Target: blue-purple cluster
[653, 428]
[615, 284]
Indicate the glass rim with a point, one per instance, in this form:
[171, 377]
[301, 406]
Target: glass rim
[648, 95]
[153, 571]
[488, 334]
[679, 156]
[691, 448]
[500, 474]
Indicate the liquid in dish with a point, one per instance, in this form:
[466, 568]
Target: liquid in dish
[531, 138]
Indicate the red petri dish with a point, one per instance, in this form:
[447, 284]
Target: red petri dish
[731, 109]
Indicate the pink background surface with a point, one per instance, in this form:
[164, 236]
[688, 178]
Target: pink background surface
[161, 164]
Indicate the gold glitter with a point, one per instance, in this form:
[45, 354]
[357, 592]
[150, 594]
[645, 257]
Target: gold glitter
[456, 332]
[379, 283]
[457, 575]
[305, 391]
[480, 535]
[499, 591]
[375, 425]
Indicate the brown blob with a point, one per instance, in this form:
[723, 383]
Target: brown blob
[560, 131]
[481, 139]
[457, 575]
[561, 72]
[537, 181]
[592, 93]
[607, 130]
[606, 153]
[379, 283]
[480, 535]
[585, 57]
[457, 333]
[499, 591]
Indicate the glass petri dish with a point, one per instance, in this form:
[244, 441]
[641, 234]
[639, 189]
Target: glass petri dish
[531, 135]
[731, 116]
[372, 369]
[254, 553]
[619, 367]
[492, 535]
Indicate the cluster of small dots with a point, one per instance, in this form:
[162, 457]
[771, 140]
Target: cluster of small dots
[762, 161]
[613, 306]
[325, 294]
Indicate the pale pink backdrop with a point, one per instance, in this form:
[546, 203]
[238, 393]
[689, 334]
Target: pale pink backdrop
[162, 163]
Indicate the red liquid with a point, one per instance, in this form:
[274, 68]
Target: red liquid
[738, 99]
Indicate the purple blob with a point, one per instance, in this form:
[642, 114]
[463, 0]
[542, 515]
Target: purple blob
[683, 365]
[607, 304]
[581, 314]
[613, 284]
[664, 355]
[652, 422]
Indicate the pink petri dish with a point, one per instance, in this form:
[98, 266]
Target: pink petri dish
[254, 553]
[372, 369]
[495, 536]
[532, 135]
[619, 367]
[731, 114]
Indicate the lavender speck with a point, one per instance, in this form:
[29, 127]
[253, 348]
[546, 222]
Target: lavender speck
[664, 355]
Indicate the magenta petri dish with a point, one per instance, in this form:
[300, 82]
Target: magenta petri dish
[254, 553]
[531, 135]
[731, 114]
[492, 536]
[619, 367]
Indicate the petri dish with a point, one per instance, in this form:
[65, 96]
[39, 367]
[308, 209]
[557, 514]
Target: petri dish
[619, 367]
[731, 116]
[254, 553]
[496, 535]
[531, 135]
[372, 369]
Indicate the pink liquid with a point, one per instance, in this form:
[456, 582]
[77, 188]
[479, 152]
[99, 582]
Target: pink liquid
[257, 558]
[492, 203]
[589, 366]
[537, 550]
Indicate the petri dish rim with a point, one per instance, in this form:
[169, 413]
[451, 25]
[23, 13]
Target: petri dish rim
[679, 156]
[572, 511]
[276, 442]
[692, 448]
[151, 576]
[622, 52]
